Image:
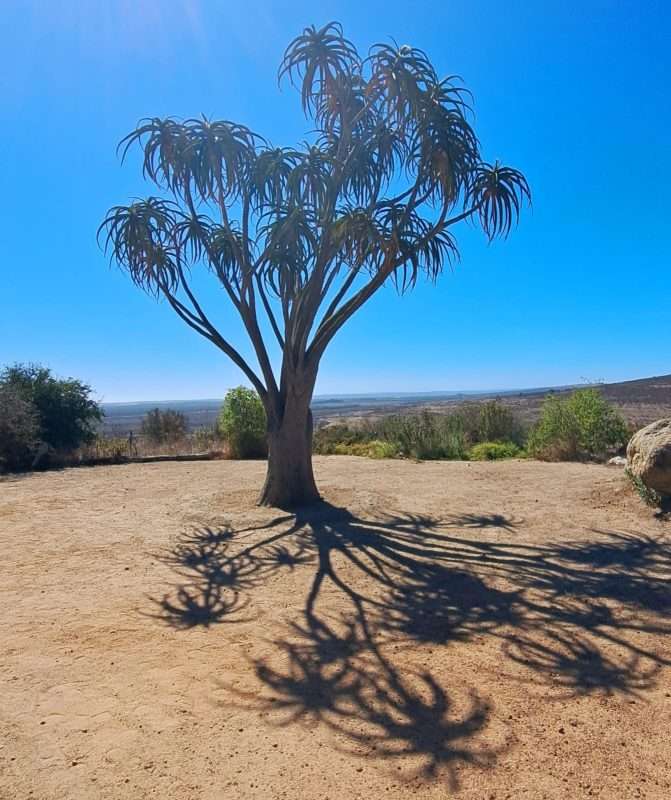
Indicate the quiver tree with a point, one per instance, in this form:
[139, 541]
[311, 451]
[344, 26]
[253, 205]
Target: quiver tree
[300, 239]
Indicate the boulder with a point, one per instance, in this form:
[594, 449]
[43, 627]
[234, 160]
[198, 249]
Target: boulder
[649, 456]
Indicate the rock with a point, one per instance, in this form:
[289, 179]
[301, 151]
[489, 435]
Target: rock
[649, 456]
[617, 461]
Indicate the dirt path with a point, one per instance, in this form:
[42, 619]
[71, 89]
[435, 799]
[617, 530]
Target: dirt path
[488, 630]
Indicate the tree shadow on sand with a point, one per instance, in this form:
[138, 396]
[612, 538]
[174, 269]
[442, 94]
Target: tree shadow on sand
[572, 614]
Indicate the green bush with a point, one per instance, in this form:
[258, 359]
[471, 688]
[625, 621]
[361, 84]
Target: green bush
[555, 436]
[67, 416]
[601, 426]
[163, 426]
[379, 449]
[497, 423]
[372, 449]
[649, 496]
[492, 451]
[425, 435]
[242, 423]
[327, 438]
[19, 430]
[583, 425]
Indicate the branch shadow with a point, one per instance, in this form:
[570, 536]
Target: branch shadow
[570, 615]
[336, 674]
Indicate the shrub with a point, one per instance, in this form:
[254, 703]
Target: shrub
[379, 449]
[425, 435]
[163, 426]
[372, 449]
[206, 438]
[67, 416]
[19, 430]
[242, 423]
[492, 451]
[583, 425]
[601, 427]
[497, 423]
[328, 438]
[105, 448]
[649, 496]
[555, 436]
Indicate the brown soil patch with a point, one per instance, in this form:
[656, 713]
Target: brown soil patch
[488, 630]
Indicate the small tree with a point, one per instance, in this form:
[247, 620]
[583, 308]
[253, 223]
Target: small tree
[67, 414]
[582, 425]
[307, 236]
[242, 423]
[163, 426]
[19, 429]
[601, 427]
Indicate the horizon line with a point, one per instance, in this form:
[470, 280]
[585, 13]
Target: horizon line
[424, 392]
[369, 395]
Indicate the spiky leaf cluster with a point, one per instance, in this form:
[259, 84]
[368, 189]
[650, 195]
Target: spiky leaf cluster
[392, 164]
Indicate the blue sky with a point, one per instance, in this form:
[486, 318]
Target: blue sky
[573, 93]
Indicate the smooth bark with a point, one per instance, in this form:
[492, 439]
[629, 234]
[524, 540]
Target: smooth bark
[290, 479]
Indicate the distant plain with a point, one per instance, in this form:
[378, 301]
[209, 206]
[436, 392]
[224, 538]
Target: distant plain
[641, 402]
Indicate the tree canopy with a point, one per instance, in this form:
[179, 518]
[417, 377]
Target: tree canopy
[393, 154]
[67, 414]
[306, 235]
[242, 423]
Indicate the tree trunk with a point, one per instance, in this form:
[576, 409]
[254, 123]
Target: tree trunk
[290, 481]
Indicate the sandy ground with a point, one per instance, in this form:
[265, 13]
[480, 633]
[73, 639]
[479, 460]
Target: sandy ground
[485, 630]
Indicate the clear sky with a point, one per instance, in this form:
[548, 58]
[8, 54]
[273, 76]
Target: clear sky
[574, 92]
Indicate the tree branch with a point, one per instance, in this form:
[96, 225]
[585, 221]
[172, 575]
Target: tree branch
[347, 283]
[461, 217]
[269, 311]
[331, 325]
[247, 305]
[208, 331]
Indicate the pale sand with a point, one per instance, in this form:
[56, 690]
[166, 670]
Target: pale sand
[486, 630]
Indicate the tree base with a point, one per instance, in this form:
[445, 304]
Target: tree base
[290, 481]
[288, 488]
[273, 497]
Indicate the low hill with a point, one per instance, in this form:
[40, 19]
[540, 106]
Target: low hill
[641, 401]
